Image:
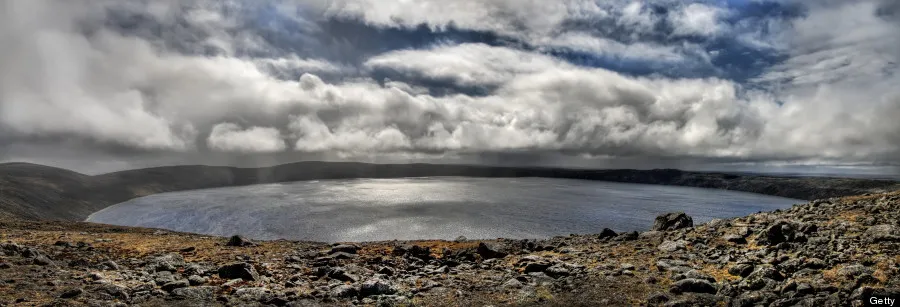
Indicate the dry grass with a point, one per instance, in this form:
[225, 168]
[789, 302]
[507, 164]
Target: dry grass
[137, 245]
[752, 244]
[852, 216]
[869, 197]
[720, 274]
[884, 269]
[831, 275]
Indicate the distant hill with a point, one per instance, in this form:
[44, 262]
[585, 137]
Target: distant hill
[42, 192]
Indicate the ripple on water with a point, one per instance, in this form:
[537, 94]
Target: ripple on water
[428, 208]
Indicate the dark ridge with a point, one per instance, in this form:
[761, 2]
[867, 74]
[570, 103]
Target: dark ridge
[41, 192]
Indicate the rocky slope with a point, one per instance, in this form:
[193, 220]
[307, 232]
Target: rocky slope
[830, 252]
[41, 192]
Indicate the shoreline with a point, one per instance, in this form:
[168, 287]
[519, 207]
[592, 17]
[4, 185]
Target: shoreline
[35, 191]
[602, 201]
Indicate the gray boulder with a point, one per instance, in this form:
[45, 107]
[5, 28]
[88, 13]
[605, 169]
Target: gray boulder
[671, 246]
[607, 233]
[692, 285]
[491, 250]
[741, 269]
[672, 221]
[344, 248]
[240, 270]
[882, 233]
[376, 286]
[344, 291]
[170, 286]
[71, 293]
[781, 231]
[168, 262]
[204, 293]
[239, 242]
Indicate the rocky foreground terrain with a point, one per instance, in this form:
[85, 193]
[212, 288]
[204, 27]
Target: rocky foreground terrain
[829, 252]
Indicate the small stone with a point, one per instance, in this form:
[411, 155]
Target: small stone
[168, 262]
[344, 248]
[694, 274]
[735, 238]
[79, 263]
[652, 235]
[780, 232]
[416, 251]
[175, 285]
[535, 267]
[194, 269]
[41, 259]
[233, 282]
[386, 271]
[376, 286]
[204, 293]
[342, 275]
[239, 242]
[110, 265]
[341, 256]
[815, 263]
[854, 271]
[557, 271]
[490, 250]
[256, 294]
[163, 277]
[512, 283]
[657, 298]
[344, 291]
[670, 246]
[741, 269]
[196, 280]
[627, 236]
[607, 233]
[71, 293]
[692, 285]
[461, 239]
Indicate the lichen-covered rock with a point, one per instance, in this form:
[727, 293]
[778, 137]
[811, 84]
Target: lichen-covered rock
[883, 233]
[672, 221]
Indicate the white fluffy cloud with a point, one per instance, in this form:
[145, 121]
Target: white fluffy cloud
[465, 64]
[698, 19]
[510, 17]
[231, 138]
[59, 80]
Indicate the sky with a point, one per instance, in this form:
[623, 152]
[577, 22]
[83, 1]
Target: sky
[105, 85]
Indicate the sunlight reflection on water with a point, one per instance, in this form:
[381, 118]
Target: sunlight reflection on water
[428, 208]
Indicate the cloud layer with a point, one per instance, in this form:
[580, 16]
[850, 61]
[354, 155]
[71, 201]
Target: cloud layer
[750, 81]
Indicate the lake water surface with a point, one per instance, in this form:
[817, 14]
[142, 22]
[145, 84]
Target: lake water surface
[428, 208]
